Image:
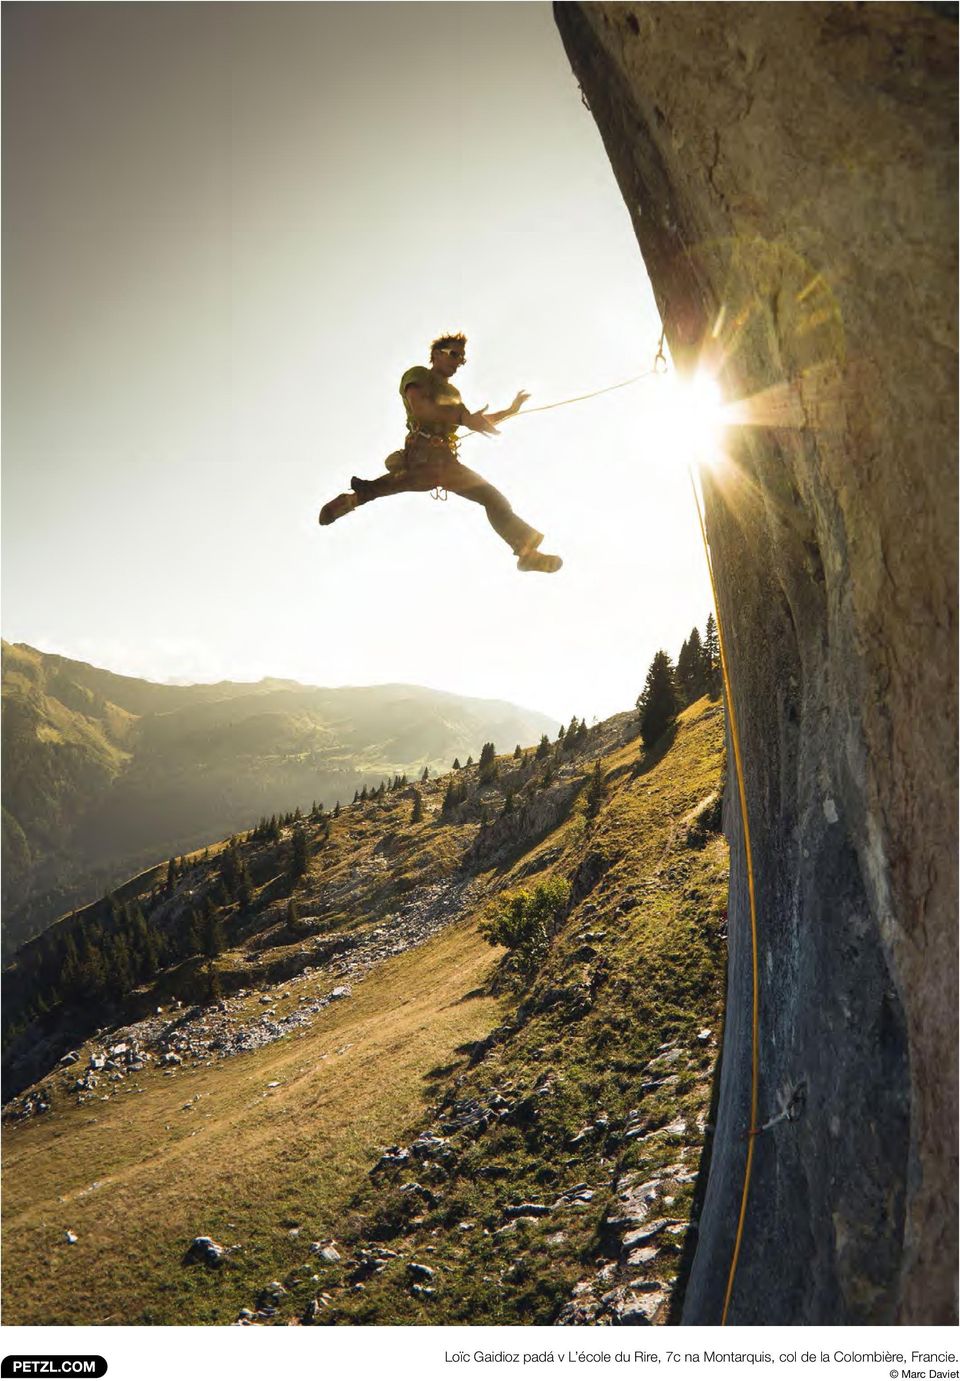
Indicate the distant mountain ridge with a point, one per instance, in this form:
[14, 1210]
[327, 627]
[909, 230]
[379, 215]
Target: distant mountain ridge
[104, 773]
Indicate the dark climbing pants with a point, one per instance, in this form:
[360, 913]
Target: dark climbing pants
[422, 467]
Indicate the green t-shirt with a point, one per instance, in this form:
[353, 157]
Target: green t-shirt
[438, 390]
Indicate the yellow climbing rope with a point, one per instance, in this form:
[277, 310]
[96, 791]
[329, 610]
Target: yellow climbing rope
[748, 851]
[660, 367]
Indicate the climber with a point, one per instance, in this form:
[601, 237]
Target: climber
[429, 458]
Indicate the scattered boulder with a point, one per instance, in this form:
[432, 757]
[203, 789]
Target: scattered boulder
[526, 1210]
[208, 1251]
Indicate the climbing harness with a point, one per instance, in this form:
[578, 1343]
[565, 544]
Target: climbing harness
[753, 1130]
[450, 444]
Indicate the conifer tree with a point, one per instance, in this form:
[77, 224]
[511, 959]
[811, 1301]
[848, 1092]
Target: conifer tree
[456, 765]
[711, 655]
[214, 986]
[212, 935]
[470, 762]
[193, 937]
[300, 852]
[488, 763]
[518, 752]
[244, 888]
[658, 703]
[543, 747]
[691, 669]
[596, 790]
[425, 774]
[336, 811]
[561, 734]
[417, 813]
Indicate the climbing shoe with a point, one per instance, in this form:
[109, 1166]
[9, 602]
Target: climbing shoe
[336, 508]
[361, 487]
[538, 561]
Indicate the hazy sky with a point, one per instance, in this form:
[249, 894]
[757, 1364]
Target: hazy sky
[228, 230]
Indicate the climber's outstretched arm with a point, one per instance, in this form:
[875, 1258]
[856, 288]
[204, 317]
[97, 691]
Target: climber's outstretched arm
[512, 410]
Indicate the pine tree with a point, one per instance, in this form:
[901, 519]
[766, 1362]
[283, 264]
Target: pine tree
[518, 752]
[456, 765]
[417, 813]
[214, 986]
[363, 793]
[425, 774]
[543, 747]
[171, 876]
[336, 811]
[299, 853]
[212, 935]
[597, 790]
[562, 734]
[691, 669]
[193, 936]
[658, 703]
[453, 797]
[230, 870]
[711, 655]
[244, 888]
[488, 763]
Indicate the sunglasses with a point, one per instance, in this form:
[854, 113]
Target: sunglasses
[454, 354]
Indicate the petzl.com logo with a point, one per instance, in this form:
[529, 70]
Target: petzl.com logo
[52, 1366]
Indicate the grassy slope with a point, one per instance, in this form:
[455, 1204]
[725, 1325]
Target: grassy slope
[656, 978]
[244, 1164]
[638, 964]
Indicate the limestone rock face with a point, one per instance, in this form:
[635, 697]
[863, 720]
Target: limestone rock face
[790, 174]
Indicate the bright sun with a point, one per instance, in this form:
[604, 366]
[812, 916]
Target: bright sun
[685, 418]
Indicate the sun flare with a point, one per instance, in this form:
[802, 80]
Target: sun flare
[687, 418]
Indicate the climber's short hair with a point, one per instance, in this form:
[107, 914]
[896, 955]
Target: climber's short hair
[449, 343]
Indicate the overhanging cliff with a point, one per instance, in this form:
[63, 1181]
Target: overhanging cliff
[790, 173]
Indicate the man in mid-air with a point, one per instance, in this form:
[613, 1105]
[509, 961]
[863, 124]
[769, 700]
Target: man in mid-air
[429, 458]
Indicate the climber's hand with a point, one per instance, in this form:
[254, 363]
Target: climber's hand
[478, 422]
